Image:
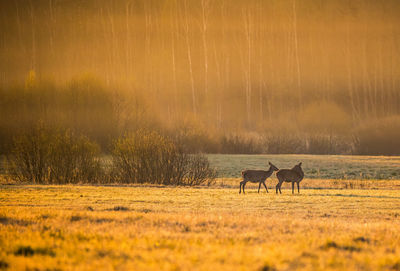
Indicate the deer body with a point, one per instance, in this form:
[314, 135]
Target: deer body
[293, 175]
[256, 176]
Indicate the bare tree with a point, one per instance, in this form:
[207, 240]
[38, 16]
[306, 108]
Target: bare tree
[189, 55]
[248, 35]
[204, 12]
[296, 50]
[33, 34]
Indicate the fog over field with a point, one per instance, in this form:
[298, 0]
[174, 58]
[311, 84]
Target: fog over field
[226, 76]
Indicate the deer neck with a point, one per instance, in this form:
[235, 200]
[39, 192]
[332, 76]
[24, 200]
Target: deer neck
[270, 171]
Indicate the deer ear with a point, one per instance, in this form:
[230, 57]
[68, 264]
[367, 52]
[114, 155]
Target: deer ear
[300, 164]
[269, 163]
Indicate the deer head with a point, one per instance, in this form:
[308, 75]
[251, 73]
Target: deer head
[274, 168]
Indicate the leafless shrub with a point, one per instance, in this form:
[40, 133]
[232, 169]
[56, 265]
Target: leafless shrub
[200, 171]
[284, 143]
[30, 155]
[148, 157]
[240, 144]
[45, 155]
[379, 137]
[74, 159]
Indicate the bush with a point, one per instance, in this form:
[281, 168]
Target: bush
[284, 143]
[148, 157]
[200, 171]
[379, 137]
[328, 144]
[45, 155]
[74, 159]
[240, 144]
[193, 137]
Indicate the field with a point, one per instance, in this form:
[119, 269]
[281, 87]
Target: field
[341, 167]
[169, 228]
[351, 167]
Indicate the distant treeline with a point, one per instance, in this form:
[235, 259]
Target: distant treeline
[230, 67]
[87, 107]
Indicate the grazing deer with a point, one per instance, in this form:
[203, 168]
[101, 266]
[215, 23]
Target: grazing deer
[256, 176]
[293, 175]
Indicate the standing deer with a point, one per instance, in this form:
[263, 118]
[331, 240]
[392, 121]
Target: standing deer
[256, 176]
[293, 175]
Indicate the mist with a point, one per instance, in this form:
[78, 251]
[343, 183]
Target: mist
[226, 76]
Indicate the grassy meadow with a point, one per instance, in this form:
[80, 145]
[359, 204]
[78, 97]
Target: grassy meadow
[353, 167]
[171, 228]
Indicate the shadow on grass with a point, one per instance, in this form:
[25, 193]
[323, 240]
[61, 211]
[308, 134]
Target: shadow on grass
[28, 251]
[11, 221]
[331, 244]
[353, 196]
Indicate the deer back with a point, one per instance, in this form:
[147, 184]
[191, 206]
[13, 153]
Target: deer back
[250, 174]
[290, 175]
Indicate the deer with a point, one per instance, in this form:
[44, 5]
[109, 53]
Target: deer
[293, 175]
[256, 176]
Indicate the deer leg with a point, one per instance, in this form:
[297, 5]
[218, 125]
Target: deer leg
[265, 186]
[241, 187]
[298, 187]
[244, 184]
[292, 187]
[259, 185]
[278, 187]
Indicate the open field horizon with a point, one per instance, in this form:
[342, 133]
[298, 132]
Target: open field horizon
[172, 228]
[352, 167]
[315, 166]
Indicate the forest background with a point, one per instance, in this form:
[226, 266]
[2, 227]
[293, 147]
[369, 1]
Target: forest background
[226, 76]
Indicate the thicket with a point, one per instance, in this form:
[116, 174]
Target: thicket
[85, 106]
[148, 157]
[46, 155]
[378, 137]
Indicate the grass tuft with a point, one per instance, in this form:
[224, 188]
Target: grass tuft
[11, 221]
[267, 268]
[28, 251]
[120, 208]
[3, 265]
[396, 266]
[362, 239]
[332, 244]
[75, 218]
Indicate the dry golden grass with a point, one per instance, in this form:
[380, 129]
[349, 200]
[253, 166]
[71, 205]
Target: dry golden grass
[314, 184]
[166, 228]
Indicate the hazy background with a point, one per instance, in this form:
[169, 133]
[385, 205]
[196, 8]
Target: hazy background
[310, 76]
